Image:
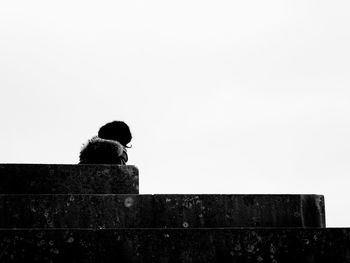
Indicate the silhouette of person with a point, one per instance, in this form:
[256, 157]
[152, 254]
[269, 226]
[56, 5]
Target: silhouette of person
[109, 147]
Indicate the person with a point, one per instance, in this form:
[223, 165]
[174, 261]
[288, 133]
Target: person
[109, 146]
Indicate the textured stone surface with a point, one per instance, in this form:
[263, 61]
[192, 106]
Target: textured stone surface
[177, 245]
[146, 211]
[62, 179]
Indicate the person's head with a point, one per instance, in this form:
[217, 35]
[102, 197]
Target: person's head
[117, 131]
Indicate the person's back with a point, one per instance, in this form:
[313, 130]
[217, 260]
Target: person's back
[109, 147]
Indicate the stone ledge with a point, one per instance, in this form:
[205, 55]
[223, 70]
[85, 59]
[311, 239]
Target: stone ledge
[68, 179]
[177, 245]
[161, 211]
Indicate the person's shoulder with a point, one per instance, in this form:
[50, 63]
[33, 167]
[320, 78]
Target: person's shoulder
[97, 148]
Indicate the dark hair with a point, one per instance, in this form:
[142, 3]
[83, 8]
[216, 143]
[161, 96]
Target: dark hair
[117, 131]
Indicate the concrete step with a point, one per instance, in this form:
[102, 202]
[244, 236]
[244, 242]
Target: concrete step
[160, 211]
[68, 179]
[176, 245]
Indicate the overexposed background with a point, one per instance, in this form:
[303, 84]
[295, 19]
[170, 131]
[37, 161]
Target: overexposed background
[221, 96]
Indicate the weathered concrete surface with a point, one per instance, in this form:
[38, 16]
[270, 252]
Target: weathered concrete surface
[68, 179]
[177, 245]
[160, 211]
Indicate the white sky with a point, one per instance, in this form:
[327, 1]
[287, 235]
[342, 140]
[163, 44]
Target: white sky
[221, 96]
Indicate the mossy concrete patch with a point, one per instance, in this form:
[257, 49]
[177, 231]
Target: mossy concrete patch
[176, 245]
[160, 211]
